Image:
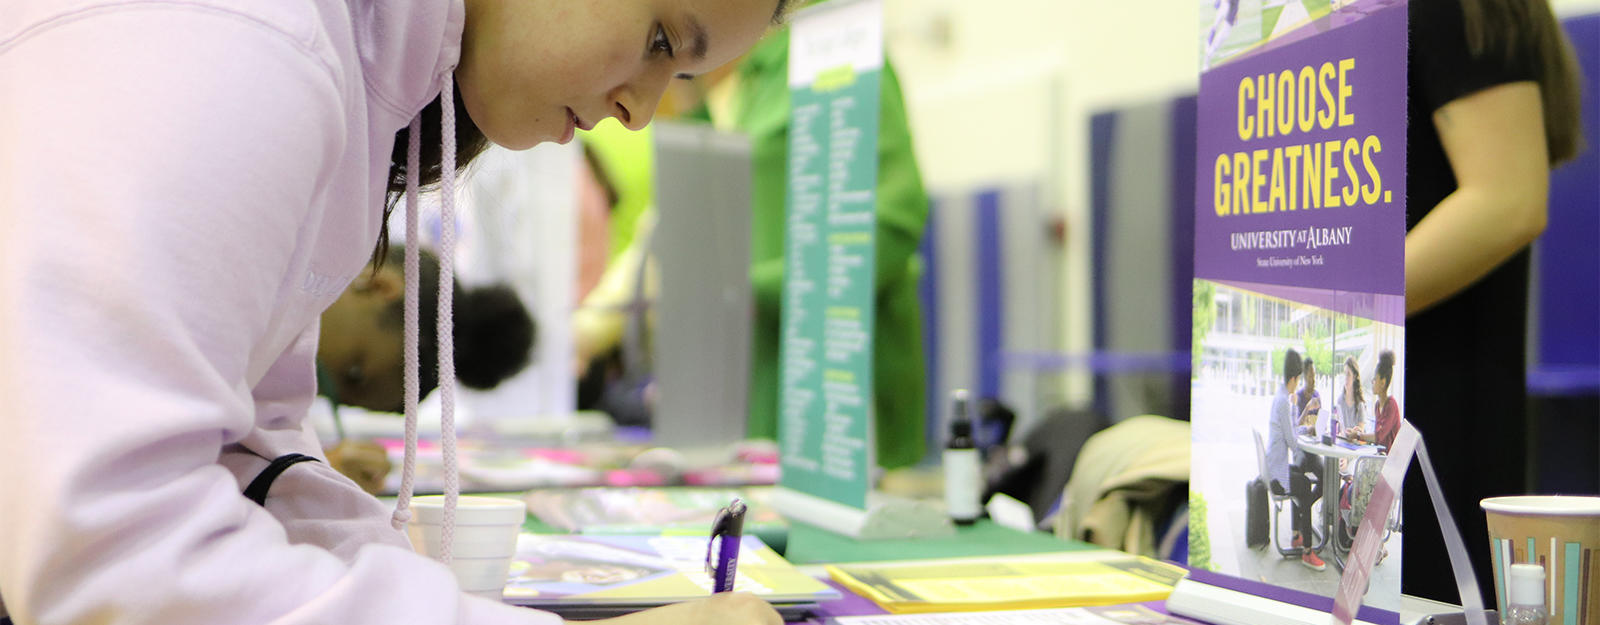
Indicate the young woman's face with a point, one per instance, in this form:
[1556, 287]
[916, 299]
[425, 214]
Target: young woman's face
[533, 70]
[359, 349]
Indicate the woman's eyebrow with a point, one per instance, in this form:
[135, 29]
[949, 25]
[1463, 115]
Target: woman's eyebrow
[697, 33]
[699, 43]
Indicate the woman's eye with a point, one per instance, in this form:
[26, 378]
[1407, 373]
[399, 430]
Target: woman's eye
[660, 44]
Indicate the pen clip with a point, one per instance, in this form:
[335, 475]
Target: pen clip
[719, 531]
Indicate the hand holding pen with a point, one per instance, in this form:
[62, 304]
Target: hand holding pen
[722, 552]
[723, 607]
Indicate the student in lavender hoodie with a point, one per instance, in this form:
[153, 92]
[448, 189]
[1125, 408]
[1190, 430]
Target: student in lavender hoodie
[186, 186]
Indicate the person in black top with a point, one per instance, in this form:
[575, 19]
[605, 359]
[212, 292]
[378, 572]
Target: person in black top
[1493, 106]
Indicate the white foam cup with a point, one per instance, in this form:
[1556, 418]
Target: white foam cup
[485, 538]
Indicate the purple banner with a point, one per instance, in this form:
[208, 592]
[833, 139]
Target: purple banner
[1299, 299]
[1301, 165]
[1390, 309]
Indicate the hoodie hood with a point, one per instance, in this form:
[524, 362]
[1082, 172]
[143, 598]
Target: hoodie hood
[406, 48]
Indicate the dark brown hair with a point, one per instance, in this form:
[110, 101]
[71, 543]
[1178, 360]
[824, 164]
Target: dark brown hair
[1385, 370]
[470, 142]
[781, 13]
[494, 333]
[1355, 378]
[1513, 29]
[1291, 365]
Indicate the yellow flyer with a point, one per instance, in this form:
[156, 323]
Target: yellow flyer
[1061, 580]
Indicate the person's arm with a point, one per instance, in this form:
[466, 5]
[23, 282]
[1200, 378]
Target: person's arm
[1284, 419]
[1495, 142]
[1308, 415]
[1280, 431]
[365, 462]
[599, 323]
[1388, 428]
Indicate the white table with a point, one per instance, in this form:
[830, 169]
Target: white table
[1331, 455]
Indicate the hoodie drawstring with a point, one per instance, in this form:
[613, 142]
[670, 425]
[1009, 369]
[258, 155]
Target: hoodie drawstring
[408, 471]
[445, 320]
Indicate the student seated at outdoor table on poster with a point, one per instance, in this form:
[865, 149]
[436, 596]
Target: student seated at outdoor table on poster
[1357, 487]
[1388, 410]
[1350, 408]
[1299, 479]
[1307, 403]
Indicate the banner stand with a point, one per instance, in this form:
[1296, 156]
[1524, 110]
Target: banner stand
[886, 517]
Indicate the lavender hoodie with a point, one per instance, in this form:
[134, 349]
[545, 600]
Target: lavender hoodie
[186, 185]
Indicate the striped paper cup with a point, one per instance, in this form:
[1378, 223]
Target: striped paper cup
[1559, 533]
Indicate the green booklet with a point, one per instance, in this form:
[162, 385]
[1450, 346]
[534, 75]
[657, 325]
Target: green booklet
[684, 511]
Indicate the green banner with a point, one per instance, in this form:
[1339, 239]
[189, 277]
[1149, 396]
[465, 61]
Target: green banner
[825, 400]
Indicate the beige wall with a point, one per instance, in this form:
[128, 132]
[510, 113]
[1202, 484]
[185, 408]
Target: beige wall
[1575, 7]
[1002, 90]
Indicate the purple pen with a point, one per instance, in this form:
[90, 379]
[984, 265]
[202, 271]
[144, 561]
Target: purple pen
[727, 533]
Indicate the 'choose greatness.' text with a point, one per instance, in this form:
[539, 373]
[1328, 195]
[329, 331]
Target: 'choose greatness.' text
[1294, 176]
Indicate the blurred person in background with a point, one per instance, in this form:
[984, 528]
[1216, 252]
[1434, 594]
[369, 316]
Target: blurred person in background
[1494, 106]
[359, 355]
[753, 98]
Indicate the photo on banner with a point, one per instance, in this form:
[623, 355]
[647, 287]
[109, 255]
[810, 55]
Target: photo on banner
[1299, 293]
[1231, 29]
[1349, 348]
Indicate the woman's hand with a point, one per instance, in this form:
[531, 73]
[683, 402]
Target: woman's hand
[1308, 418]
[364, 462]
[728, 608]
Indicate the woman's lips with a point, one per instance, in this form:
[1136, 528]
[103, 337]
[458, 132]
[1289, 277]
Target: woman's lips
[571, 129]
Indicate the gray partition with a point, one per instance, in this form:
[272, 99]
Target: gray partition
[704, 312]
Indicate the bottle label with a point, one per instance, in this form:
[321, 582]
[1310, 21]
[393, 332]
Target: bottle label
[962, 483]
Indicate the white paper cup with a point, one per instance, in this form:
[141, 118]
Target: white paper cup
[1559, 533]
[485, 538]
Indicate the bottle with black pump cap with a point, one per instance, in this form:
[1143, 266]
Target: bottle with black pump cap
[963, 477]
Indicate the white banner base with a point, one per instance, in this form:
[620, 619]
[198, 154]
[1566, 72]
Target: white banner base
[886, 517]
[1225, 606]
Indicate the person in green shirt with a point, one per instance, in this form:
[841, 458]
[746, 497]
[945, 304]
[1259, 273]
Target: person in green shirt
[754, 99]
